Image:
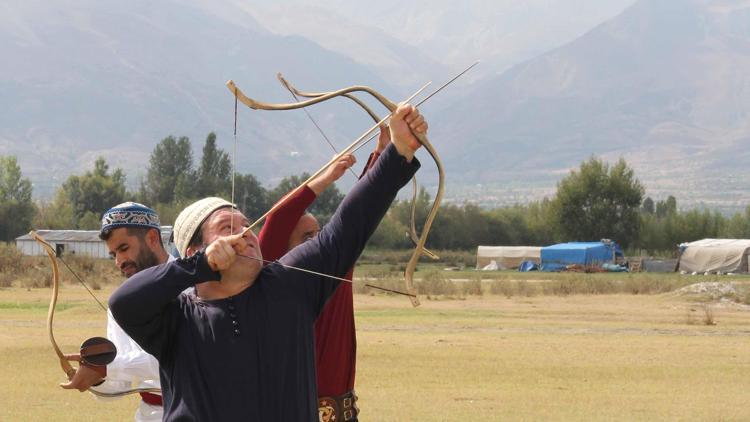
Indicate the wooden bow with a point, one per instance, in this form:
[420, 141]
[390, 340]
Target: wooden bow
[418, 250]
[297, 93]
[64, 364]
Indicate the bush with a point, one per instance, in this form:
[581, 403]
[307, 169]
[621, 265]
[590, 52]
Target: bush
[472, 287]
[435, 283]
[502, 287]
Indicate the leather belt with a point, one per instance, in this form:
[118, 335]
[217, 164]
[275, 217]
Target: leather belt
[341, 408]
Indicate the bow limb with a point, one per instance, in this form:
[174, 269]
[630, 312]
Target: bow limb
[258, 105]
[388, 104]
[64, 364]
[391, 106]
[263, 106]
[419, 249]
[411, 266]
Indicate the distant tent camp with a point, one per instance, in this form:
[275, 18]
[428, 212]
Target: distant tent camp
[715, 255]
[558, 257]
[506, 257]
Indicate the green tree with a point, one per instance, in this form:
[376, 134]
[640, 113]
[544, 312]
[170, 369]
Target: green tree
[402, 210]
[667, 207]
[16, 208]
[738, 226]
[250, 196]
[390, 234]
[598, 201]
[89, 196]
[170, 172]
[214, 174]
[648, 206]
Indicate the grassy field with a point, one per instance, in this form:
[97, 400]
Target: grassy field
[493, 357]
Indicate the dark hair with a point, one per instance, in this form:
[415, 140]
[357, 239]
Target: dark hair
[197, 240]
[138, 232]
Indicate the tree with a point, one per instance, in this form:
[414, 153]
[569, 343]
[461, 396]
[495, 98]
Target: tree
[599, 201]
[87, 197]
[170, 172]
[648, 206]
[666, 208]
[16, 208]
[250, 196]
[214, 174]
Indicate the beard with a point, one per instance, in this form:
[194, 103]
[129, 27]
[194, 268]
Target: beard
[146, 258]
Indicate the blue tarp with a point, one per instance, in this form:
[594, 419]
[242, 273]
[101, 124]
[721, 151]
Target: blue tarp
[557, 257]
[527, 266]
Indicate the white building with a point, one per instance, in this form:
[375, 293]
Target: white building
[76, 242]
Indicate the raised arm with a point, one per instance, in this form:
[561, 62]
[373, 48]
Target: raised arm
[274, 236]
[340, 243]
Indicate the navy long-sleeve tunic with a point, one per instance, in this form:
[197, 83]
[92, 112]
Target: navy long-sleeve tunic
[250, 357]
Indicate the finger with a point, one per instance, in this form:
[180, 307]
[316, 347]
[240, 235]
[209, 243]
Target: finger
[402, 111]
[419, 125]
[75, 357]
[69, 385]
[236, 246]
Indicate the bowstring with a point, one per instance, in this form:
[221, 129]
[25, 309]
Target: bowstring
[234, 161]
[304, 270]
[328, 140]
[101, 305]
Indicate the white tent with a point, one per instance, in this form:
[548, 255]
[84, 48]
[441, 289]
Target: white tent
[507, 257]
[715, 255]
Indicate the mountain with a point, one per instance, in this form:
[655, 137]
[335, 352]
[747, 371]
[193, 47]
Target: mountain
[665, 84]
[88, 78]
[422, 36]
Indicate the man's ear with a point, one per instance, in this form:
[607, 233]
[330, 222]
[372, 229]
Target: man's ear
[153, 238]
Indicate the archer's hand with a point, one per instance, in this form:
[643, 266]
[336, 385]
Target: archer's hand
[223, 251]
[405, 123]
[331, 174]
[85, 376]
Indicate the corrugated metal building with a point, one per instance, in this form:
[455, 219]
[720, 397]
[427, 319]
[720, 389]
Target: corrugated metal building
[76, 242]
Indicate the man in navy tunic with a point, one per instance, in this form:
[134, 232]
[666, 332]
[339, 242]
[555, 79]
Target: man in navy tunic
[242, 346]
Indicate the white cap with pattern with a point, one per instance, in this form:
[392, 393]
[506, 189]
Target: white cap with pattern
[191, 218]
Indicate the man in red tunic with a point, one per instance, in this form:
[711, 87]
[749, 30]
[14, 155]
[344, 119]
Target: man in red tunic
[335, 336]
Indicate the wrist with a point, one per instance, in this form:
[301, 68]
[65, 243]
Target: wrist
[405, 151]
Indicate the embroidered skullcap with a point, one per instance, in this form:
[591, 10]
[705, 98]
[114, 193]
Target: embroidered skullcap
[130, 214]
[191, 219]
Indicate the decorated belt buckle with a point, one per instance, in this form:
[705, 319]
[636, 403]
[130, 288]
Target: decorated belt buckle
[326, 410]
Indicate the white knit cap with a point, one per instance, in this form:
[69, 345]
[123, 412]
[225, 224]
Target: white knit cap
[191, 218]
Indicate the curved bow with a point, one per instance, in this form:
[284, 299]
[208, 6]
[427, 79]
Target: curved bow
[64, 364]
[418, 250]
[387, 104]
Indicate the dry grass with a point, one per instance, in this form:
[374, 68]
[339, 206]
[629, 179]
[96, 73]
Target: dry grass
[574, 357]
